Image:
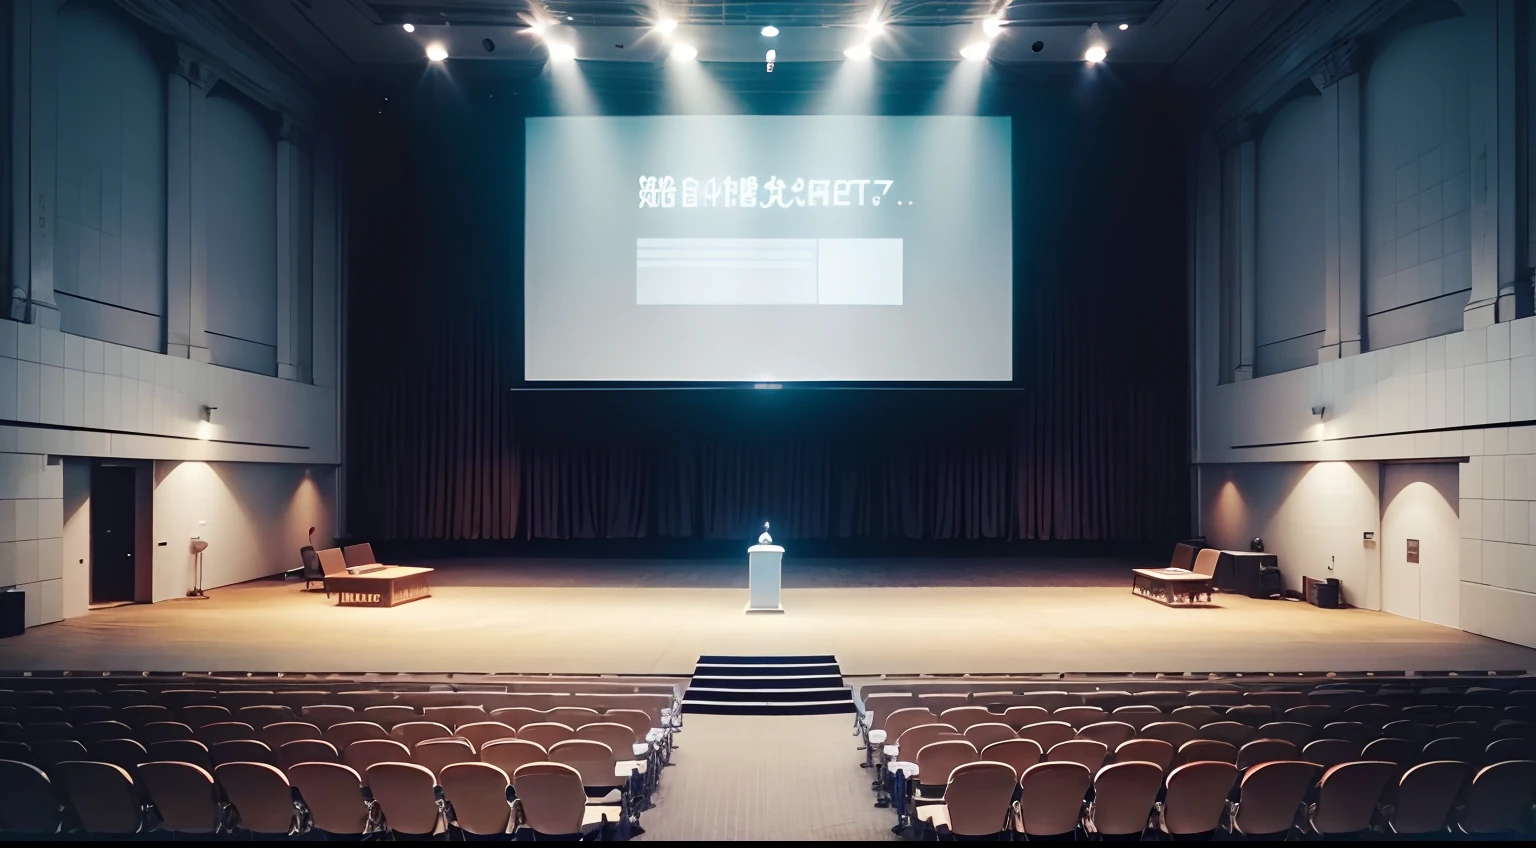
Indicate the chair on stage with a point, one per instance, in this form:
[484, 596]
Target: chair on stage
[332, 563]
[311, 571]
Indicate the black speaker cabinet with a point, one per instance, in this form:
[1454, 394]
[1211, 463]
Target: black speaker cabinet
[13, 613]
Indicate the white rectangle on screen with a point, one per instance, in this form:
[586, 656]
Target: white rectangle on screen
[767, 272]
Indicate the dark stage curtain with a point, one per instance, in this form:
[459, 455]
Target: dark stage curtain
[1089, 444]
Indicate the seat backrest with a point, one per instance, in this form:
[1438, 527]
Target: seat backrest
[637, 721]
[389, 715]
[1425, 794]
[1205, 562]
[435, 754]
[1261, 751]
[977, 798]
[161, 731]
[1079, 716]
[1400, 751]
[1331, 752]
[455, 714]
[985, 733]
[1315, 715]
[1123, 795]
[360, 554]
[1111, 733]
[139, 715]
[511, 754]
[241, 751]
[480, 732]
[1175, 733]
[964, 717]
[551, 797]
[311, 561]
[184, 794]
[406, 792]
[1195, 715]
[1450, 748]
[1085, 751]
[1020, 754]
[546, 733]
[1500, 750]
[261, 715]
[283, 732]
[98, 730]
[594, 761]
[1499, 797]
[878, 706]
[937, 759]
[29, 805]
[213, 734]
[103, 795]
[125, 753]
[1271, 794]
[1022, 715]
[345, 733]
[1294, 732]
[412, 732]
[1051, 797]
[365, 753]
[1197, 796]
[334, 795]
[47, 752]
[478, 793]
[261, 796]
[188, 751]
[1047, 733]
[1233, 733]
[325, 715]
[1352, 731]
[1251, 714]
[290, 754]
[1154, 751]
[200, 715]
[1206, 750]
[1348, 793]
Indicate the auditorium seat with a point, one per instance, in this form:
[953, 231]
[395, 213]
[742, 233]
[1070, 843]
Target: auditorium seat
[985, 733]
[46, 753]
[976, 801]
[389, 715]
[17, 751]
[184, 795]
[261, 797]
[1499, 798]
[481, 732]
[1175, 733]
[180, 751]
[1085, 751]
[1261, 751]
[139, 715]
[283, 732]
[334, 795]
[325, 715]
[546, 733]
[103, 796]
[1400, 751]
[1205, 750]
[298, 751]
[1347, 797]
[1294, 732]
[1018, 753]
[1330, 752]
[553, 803]
[1269, 797]
[96, 731]
[1425, 795]
[477, 794]
[1020, 715]
[1450, 748]
[434, 754]
[208, 734]
[935, 761]
[365, 753]
[1047, 733]
[1138, 715]
[241, 751]
[1051, 799]
[1195, 715]
[164, 731]
[511, 754]
[964, 717]
[345, 733]
[411, 732]
[406, 794]
[201, 715]
[1195, 798]
[1123, 797]
[29, 806]
[1154, 751]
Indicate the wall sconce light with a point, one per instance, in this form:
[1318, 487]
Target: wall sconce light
[1319, 410]
[207, 413]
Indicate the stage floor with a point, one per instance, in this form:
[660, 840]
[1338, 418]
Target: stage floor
[895, 617]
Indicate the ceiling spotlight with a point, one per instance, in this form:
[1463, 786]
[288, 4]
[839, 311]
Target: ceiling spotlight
[875, 27]
[858, 52]
[408, 27]
[536, 28]
[666, 25]
[1124, 27]
[561, 52]
[437, 52]
[991, 27]
[975, 52]
[1095, 54]
[685, 52]
[770, 31]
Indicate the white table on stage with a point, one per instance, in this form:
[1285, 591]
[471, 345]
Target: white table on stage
[763, 566]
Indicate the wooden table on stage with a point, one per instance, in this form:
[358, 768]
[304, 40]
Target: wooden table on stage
[386, 586]
[1171, 586]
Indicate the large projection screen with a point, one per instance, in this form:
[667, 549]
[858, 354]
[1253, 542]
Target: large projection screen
[761, 248]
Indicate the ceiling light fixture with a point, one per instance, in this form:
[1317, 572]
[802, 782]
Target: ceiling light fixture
[975, 52]
[770, 31]
[991, 27]
[561, 52]
[858, 52]
[408, 27]
[666, 25]
[1095, 54]
[437, 52]
[1124, 27]
[685, 52]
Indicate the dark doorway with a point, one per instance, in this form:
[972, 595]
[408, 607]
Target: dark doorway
[113, 534]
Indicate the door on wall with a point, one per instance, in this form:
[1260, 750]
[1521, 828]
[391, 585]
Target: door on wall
[1421, 541]
[114, 539]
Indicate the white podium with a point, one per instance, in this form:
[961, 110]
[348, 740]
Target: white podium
[763, 565]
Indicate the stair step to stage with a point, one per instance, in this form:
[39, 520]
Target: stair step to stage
[784, 685]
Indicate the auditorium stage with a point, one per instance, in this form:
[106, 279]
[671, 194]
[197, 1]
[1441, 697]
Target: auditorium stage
[896, 617]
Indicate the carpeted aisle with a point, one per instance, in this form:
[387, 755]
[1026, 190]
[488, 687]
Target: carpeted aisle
[766, 777]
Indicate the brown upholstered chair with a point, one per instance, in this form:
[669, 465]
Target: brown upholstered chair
[1048, 733]
[1196, 798]
[478, 794]
[345, 733]
[1175, 733]
[1400, 751]
[1331, 752]
[1294, 732]
[1020, 754]
[935, 761]
[455, 715]
[1138, 715]
[1205, 562]
[1051, 798]
[409, 733]
[480, 732]
[1023, 715]
[1087, 752]
[1425, 795]
[984, 734]
[1123, 795]
[1261, 751]
[511, 754]
[1347, 796]
[29, 806]
[185, 795]
[551, 801]
[1270, 797]
[366, 753]
[261, 797]
[407, 795]
[198, 716]
[334, 795]
[1205, 750]
[1080, 716]
[96, 731]
[1154, 751]
[1111, 733]
[325, 715]
[241, 751]
[976, 800]
[298, 751]
[964, 717]
[211, 734]
[1233, 733]
[103, 795]
[279, 734]
[1499, 796]
[436, 754]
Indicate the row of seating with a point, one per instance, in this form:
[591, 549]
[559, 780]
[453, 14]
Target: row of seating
[101, 799]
